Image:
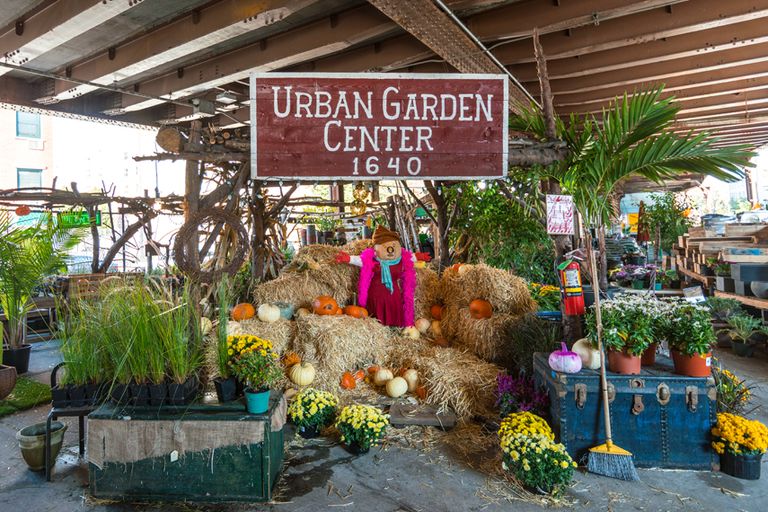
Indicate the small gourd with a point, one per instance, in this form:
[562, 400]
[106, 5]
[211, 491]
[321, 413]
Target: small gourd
[411, 376]
[437, 330]
[421, 392]
[243, 311]
[411, 332]
[480, 309]
[290, 359]
[359, 374]
[564, 360]
[463, 269]
[269, 313]
[302, 374]
[382, 376]
[356, 311]
[325, 305]
[348, 381]
[436, 311]
[396, 387]
[422, 324]
[302, 312]
[590, 356]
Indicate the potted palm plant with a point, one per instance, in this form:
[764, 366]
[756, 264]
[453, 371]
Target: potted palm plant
[742, 330]
[27, 255]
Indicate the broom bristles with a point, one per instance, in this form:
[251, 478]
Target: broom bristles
[612, 462]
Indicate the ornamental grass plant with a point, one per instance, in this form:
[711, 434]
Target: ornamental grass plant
[733, 394]
[312, 408]
[362, 425]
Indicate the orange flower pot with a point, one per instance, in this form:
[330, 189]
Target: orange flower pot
[649, 356]
[692, 366]
[623, 363]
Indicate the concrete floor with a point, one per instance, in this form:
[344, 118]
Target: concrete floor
[322, 475]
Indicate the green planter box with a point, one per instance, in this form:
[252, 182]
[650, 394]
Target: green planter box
[194, 453]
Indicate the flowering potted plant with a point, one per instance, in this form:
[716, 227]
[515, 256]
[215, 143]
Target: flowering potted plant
[311, 411]
[520, 393]
[361, 426]
[256, 364]
[530, 453]
[733, 393]
[628, 330]
[546, 296]
[691, 338]
[742, 330]
[741, 444]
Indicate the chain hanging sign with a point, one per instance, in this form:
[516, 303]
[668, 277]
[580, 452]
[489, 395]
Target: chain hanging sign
[319, 126]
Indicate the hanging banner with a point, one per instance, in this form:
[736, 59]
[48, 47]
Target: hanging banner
[560, 212]
[370, 126]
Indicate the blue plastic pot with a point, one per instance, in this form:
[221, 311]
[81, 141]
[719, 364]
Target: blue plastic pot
[257, 402]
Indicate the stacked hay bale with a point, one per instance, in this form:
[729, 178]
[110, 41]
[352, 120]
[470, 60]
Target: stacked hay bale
[281, 333]
[509, 298]
[337, 343]
[427, 292]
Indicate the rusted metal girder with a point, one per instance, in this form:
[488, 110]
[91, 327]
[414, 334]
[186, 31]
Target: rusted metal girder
[635, 29]
[436, 30]
[196, 31]
[54, 25]
[307, 42]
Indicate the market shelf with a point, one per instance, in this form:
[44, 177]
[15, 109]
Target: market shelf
[749, 301]
[707, 280]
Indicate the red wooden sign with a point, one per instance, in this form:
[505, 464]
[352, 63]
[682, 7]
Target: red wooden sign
[378, 126]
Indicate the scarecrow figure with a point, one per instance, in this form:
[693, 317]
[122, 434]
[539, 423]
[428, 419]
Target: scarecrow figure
[387, 282]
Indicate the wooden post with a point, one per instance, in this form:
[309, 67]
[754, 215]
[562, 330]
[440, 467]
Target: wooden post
[437, 193]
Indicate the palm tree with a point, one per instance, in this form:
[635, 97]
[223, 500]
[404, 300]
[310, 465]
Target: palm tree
[27, 255]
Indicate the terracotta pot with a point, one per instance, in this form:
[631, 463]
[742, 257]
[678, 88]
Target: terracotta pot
[649, 356]
[623, 363]
[692, 366]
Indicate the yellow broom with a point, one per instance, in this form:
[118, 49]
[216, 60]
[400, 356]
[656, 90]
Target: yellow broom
[606, 459]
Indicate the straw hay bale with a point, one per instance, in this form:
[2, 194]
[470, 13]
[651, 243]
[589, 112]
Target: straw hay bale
[280, 333]
[357, 246]
[427, 292]
[335, 344]
[487, 338]
[506, 292]
[409, 353]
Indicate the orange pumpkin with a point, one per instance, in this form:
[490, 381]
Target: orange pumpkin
[436, 311]
[359, 375]
[421, 392]
[290, 359]
[356, 311]
[348, 381]
[480, 309]
[325, 305]
[243, 311]
[373, 369]
[455, 267]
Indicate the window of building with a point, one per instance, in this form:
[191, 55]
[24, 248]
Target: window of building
[27, 178]
[28, 125]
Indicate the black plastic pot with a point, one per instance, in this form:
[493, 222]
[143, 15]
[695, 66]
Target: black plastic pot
[309, 432]
[356, 449]
[94, 392]
[121, 393]
[746, 467]
[139, 394]
[226, 389]
[76, 395]
[18, 358]
[158, 393]
[743, 349]
[190, 388]
[59, 397]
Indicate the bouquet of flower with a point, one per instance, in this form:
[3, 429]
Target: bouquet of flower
[254, 361]
[531, 454]
[362, 425]
[312, 408]
[546, 296]
[733, 393]
[738, 435]
[515, 394]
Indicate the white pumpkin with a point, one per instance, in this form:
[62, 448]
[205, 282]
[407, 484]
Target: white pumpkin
[234, 328]
[382, 376]
[422, 324]
[268, 313]
[411, 332]
[302, 312]
[590, 356]
[205, 325]
[437, 331]
[397, 387]
[411, 376]
[463, 269]
[302, 374]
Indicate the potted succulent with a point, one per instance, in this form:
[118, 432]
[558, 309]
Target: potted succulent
[628, 331]
[311, 411]
[742, 330]
[27, 255]
[530, 453]
[741, 444]
[721, 310]
[257, 365]
[361, 426]
[691, 338]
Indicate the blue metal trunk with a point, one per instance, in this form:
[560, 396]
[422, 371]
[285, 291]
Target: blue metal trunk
[662, 418]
